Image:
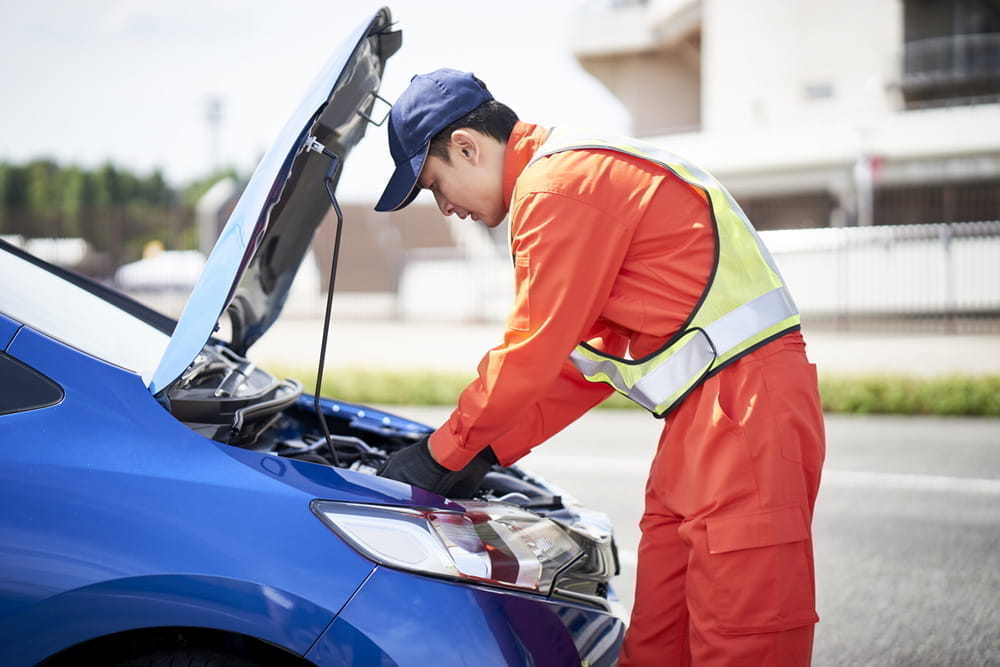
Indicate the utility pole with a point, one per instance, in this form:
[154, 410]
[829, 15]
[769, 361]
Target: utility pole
[213, 116]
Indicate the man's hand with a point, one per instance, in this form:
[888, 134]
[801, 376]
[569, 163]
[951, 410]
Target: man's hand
[416, 465]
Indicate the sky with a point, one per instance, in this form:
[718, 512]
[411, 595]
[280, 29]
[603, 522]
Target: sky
[131, 81]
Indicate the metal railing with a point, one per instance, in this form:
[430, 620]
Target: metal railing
[955, 59]
[941, 277]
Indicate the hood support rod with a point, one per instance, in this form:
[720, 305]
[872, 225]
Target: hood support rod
[335, 162]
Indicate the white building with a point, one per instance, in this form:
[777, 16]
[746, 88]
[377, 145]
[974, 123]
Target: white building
[813, 113]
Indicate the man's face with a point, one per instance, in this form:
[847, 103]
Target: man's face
[471, 183]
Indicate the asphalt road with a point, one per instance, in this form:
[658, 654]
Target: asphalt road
[907, 528]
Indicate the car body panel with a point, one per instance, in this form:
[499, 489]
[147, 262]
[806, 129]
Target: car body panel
[65, 537]
[177, 600]
[379, 626]
[8, 328]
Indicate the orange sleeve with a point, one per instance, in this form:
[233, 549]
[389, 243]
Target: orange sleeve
[563, 402]
[567, 254]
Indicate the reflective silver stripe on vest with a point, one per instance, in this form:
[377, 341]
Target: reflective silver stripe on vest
[686, 365]
[696, 356]
[590, 367]
[760, 314]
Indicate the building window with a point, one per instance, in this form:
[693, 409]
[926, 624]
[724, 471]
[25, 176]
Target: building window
[817, 90]
[951, 55]
[924, 204]
[803, 211]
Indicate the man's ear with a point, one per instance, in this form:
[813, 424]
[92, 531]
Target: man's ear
[467, 145]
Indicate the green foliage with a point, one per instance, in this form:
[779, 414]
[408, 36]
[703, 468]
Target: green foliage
[194, 191]
[884, 394]
[386, 387]
[116, 211]
[888, 394]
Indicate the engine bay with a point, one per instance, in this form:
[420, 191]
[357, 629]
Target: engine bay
[229, 399]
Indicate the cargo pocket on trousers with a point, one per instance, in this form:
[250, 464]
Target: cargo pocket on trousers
[762, 571]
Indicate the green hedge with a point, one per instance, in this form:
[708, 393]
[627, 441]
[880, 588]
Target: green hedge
[903, 395]
[876, 394]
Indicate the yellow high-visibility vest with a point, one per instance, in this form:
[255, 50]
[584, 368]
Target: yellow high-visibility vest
[745, 303]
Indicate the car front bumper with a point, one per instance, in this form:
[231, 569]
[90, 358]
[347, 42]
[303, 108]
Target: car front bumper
[397, 618]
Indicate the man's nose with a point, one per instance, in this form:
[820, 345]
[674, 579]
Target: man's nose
[443, 205]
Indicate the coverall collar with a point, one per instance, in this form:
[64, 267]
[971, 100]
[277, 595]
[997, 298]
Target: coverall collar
[524, 140]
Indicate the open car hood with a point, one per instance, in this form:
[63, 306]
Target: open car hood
[251, 267]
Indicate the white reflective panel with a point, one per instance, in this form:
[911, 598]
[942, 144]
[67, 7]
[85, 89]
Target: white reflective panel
[73, 315]
[668, 378]
[751, 318]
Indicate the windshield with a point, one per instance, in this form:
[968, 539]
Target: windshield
[70, 313]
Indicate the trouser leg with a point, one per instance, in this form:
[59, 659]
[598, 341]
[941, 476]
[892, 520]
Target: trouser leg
[658, 630]
[737, 474]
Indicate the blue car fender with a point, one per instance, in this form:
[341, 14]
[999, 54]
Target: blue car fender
[179, 600]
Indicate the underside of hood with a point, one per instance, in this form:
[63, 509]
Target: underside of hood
[251, 267]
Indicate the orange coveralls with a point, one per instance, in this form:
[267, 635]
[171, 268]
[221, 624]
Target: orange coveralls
[615, 250]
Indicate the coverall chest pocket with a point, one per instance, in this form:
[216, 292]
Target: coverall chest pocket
[761, 568]
[520, 315]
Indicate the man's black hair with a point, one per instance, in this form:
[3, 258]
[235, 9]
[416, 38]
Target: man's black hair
[492, 118]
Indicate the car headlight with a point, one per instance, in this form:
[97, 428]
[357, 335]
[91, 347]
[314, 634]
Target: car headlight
[489, 543]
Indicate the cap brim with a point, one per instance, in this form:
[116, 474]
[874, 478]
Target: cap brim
[402, 188]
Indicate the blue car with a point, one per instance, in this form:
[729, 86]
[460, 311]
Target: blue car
[166, 501]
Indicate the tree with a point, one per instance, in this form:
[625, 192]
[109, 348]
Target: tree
[115, 210]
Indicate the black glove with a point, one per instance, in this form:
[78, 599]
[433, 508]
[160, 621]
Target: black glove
[415, 465]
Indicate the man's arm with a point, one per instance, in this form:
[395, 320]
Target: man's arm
[567, 256]
[563, 402]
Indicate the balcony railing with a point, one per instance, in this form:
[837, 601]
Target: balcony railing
[953, 61]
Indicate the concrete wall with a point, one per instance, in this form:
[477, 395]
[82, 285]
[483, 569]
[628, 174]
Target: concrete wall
[780, 62]
[649, 55]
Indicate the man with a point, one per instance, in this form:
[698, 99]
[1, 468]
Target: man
[646, 258]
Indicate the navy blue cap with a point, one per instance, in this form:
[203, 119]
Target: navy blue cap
[429, 104]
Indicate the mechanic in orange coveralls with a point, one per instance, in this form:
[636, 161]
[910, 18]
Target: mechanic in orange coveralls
[617, 245]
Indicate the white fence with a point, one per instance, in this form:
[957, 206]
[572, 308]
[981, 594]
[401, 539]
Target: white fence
[941, 277]
[922, 274]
